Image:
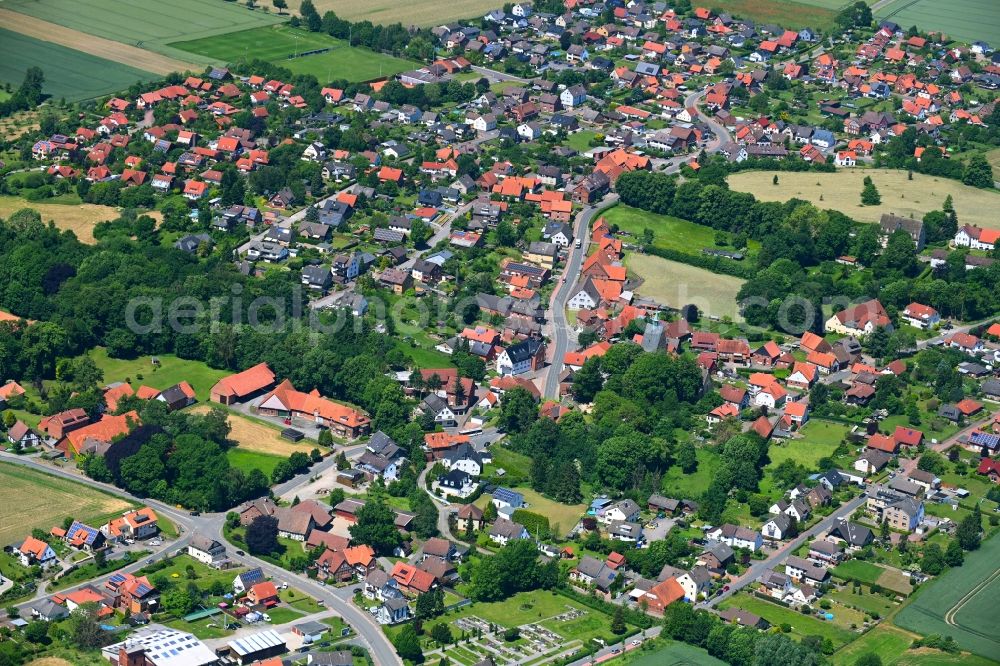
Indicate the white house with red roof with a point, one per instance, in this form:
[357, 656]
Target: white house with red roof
[920, 316]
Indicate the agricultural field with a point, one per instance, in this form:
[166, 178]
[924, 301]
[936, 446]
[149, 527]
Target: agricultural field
[801, 14]
[841, 191]
[147, 24]
[30, 499]
[669, 232]
[415, 12]
[80, 218]
[256, 436]
[967, 20]
[676, 284]
[281, 44]
[892, 645]
[171, 370]
[962, 603]
[71, 74]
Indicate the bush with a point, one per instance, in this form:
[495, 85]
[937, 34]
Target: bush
[512, 634]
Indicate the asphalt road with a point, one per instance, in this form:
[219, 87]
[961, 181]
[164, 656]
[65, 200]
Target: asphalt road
[563, 291]
[210, 524]
[777, 557]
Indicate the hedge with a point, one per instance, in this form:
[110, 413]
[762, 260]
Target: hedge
[708, 262]
[630, 615]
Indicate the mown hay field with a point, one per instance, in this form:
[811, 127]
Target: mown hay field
[255, 436]
[841, 191]
[675, 284]
[413, 12]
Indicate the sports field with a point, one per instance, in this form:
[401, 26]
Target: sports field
[412, 12]
[72, 74]
[965, 20]
[30, 499]
[281, 44]
[150, 24]
[962, 603]
[675, 284]
[842, 191]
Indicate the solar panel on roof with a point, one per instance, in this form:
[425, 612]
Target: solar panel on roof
[116, 579]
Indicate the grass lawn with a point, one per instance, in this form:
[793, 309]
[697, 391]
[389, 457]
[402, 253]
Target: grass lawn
[425, 357]
[172, 370]
[562, 517]
[675, 284]
[669, 232]
[300, 601]
[802, 625]
[247, 460]
[283, 45]
[926, 420]
[281, 615]
[859, 570]
[514, 464]
[689, 486]
[961, 603]
[819, 440]
[176, 570]
[873, 603]
[842, 191]
[580, 141]
[205, 629]
[668, 653]
[30, 499]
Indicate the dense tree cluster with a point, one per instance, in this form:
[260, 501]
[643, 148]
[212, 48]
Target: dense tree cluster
[639, 398]
[741, 646]
[183, 461]
[515, 568]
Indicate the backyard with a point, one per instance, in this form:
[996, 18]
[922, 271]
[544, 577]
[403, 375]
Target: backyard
[819, 440]
[802, 625]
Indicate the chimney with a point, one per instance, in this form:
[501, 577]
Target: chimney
[131, 655]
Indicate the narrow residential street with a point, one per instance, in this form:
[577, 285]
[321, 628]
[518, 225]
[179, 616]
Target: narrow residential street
[556, 315]
[758, 567]
[369, 632]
